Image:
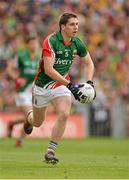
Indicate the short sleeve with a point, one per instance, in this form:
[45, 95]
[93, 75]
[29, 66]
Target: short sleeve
[47, 48]
[81, 48]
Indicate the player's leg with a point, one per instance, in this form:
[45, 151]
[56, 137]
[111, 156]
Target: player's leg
[19, 140]
[11, 125]
[62, 105]
[40, 100]
[23, 102]
[36, 116]
[24, 109]
[20, 99]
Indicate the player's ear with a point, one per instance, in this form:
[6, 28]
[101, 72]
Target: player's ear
[62, 27]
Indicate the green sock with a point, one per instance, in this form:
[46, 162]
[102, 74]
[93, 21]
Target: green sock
[52, 146]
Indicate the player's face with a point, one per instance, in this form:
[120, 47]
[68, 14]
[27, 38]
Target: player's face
[71, 28]
[32, 44]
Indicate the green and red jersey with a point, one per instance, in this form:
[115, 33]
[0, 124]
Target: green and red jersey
[54, 46]
[27, 68]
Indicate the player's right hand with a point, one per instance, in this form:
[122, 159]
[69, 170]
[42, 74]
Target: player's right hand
[19, 82]
[74, 88]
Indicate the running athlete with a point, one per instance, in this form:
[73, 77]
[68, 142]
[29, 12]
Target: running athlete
[27, 67]
[52, 82]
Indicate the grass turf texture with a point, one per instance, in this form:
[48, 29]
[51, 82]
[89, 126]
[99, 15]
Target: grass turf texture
[93, 158]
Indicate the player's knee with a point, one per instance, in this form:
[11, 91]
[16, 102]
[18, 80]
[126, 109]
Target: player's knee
[37, 123]
[63, 116]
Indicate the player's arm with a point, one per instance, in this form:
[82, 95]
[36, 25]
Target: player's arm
[87, 61]
[48, 55]
[51, 72]
[88, 67]
[12, 70]
[14, 73]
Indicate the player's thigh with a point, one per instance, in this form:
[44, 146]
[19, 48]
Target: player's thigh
[40, 100]
[62, 104]
[61, 99]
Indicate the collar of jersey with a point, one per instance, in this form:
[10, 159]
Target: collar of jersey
[60, 37]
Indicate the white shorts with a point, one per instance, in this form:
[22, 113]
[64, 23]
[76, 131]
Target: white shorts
[42, 97]
[23, 99]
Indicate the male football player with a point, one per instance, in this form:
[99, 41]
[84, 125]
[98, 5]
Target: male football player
[52, 82]
[27, 65]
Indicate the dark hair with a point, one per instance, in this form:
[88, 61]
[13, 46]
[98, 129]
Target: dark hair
[30, 37]
[65, 17]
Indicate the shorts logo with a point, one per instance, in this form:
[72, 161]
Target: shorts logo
[34, 100]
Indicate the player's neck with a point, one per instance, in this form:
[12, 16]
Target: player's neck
[32, 51]
[66, 38]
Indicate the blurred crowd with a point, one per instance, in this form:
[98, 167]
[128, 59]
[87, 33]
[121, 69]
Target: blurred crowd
[104, 27]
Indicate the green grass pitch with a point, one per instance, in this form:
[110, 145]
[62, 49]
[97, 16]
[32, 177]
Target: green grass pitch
[91, 158]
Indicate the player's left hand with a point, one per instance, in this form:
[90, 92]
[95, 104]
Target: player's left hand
[92, 84]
